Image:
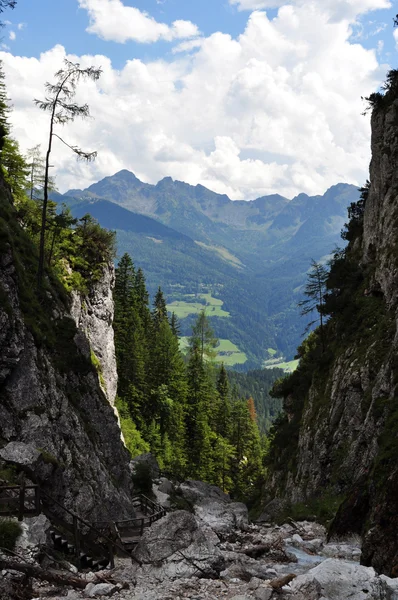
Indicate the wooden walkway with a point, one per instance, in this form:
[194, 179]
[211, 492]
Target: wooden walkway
[92, 544]
[129, 531]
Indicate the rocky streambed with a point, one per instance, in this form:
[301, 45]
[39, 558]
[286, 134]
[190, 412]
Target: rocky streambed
[212, 551]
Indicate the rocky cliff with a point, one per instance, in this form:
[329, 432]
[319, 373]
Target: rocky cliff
[338, 439]
[56, 423]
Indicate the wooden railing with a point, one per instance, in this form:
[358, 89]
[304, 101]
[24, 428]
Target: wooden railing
[20, 500]
[107, 536]
[129, 530]
[27, 500]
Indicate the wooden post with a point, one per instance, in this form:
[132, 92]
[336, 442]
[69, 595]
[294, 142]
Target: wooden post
[111, 556]
[21, 509]
[146, 507]
[76, 537]
[142, 526]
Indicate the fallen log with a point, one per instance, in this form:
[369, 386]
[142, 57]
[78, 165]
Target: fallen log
[44, 575]
[256, 550]
[277, 584]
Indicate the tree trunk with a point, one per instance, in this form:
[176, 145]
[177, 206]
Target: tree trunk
[56, 577]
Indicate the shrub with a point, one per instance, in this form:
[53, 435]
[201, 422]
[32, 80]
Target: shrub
[142, 479]
[9, 533]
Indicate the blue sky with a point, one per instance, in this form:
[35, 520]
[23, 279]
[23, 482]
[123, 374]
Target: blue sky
[50, 22]
[244, 101]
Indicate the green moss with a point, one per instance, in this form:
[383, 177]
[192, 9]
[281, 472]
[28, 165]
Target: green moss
[9, 474]
[322, 510]
[49, 458]
[10, 531]
[97, 365]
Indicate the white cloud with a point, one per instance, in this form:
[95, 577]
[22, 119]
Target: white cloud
[12, 35]
[21, 26]
[337, 9]
[276, 110]
[112, 20]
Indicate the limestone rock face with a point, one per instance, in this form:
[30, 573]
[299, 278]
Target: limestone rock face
[347, 424]
[93, 315]
[56, 423]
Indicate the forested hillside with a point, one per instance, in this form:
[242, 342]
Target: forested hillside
[185, 412]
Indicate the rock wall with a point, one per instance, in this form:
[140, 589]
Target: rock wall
[93, 314]
[348, 417]
[56, 423]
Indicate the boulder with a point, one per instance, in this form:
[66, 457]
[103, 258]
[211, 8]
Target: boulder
[223, 518]
[35, 531]
[263, 593]
[214, 507]
[21, 454]
[180, 545]
[149, 460]
[337, 579]
[197, 491]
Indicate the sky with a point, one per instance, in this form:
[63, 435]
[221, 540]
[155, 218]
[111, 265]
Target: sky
[246, 97]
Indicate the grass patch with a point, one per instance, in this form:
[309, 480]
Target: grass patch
[288, 367]
[227, 352]
[195, 303]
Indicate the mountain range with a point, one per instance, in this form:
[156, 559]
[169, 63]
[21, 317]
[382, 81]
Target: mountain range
[246, 260]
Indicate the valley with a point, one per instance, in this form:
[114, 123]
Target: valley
[244, 261]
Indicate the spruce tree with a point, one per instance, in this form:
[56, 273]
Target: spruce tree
[222, 409]
[15, 168]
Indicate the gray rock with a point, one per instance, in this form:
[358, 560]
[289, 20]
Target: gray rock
[21, 454]
[165, 486]
[93, 315]
[101, 589]
[214, 507]
[149, 460]
[222, 517]
[337, 579]
[263, 593]
[180, 546]
[52, 401]
[35, 531]
[255, 582]
[297, 540]
[197, 491]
